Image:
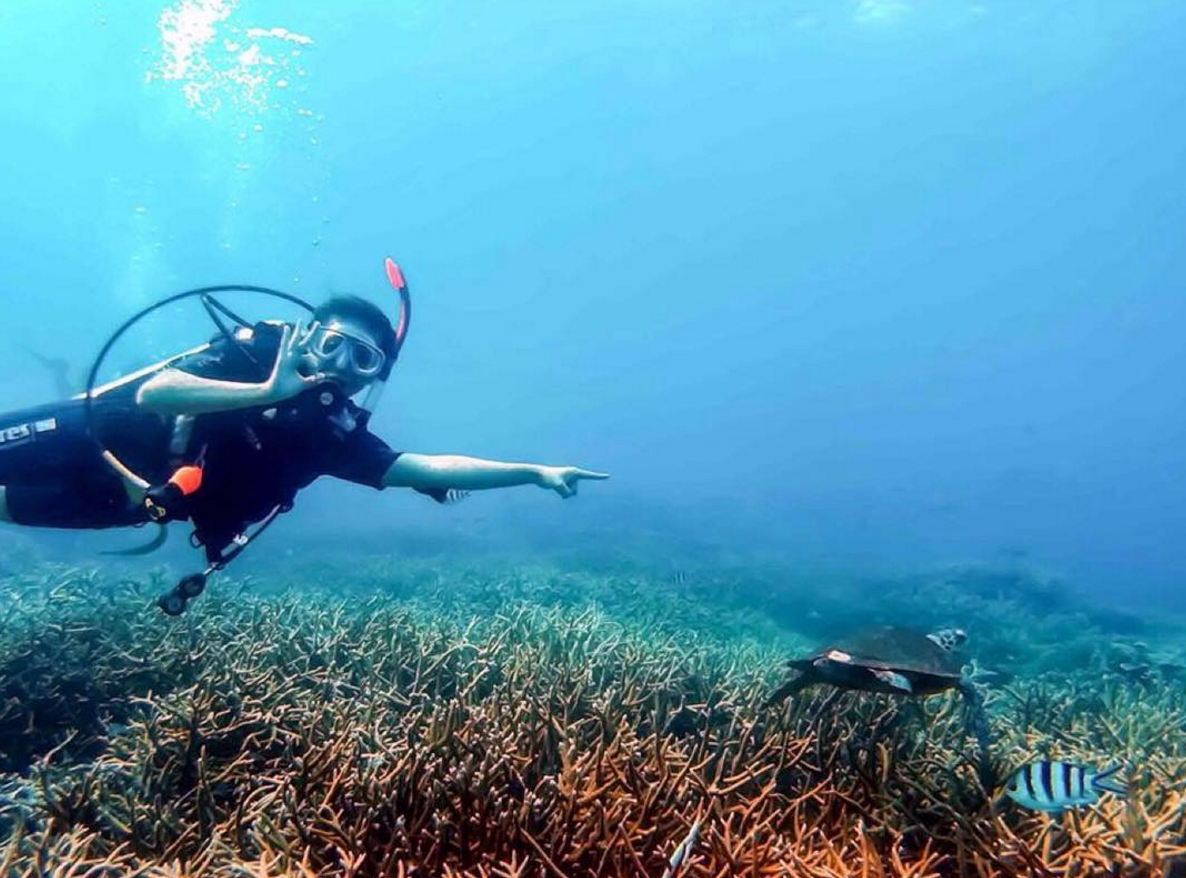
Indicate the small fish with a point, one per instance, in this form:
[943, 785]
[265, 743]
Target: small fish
[1055, 786]
[445, 496]
[680, 578]
[683, 852]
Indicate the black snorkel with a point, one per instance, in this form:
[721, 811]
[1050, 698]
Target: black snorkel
[168, 502]
[395, 277]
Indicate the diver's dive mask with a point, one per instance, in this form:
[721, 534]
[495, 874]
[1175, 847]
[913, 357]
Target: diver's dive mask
[340, 352]
[352, 365]
[356, 364]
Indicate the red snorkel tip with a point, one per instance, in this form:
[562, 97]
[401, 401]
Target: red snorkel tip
[395, 276]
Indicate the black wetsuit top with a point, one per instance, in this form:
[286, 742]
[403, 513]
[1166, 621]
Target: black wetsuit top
[254, 459]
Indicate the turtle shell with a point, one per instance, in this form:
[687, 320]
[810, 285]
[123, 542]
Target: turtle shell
[904, 651]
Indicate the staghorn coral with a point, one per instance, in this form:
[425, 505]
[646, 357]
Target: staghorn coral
[381, 727]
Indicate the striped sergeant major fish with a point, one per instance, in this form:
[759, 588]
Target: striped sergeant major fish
[1055, 786]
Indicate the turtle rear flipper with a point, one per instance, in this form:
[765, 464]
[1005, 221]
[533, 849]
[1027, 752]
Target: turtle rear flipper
[791, 687]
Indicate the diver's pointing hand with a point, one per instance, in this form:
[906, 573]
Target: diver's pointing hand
[287, 379]
[564, 480]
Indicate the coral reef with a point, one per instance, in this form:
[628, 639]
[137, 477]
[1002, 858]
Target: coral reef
[411, 719]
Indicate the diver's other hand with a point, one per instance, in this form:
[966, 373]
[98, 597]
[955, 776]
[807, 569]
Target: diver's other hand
[565, 479]
[287, 379]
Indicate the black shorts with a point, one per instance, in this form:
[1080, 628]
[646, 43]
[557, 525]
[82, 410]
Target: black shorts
[54, 474]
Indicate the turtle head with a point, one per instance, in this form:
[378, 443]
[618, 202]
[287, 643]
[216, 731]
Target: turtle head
[949, 639]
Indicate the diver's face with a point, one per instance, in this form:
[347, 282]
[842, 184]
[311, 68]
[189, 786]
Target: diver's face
[345, 352]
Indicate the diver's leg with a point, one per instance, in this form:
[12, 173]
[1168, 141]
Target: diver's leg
[52, 477]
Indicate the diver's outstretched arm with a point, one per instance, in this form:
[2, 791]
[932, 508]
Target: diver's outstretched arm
[459, 473]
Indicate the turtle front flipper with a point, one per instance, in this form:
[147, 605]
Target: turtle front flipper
[895, 681]
[791, 687]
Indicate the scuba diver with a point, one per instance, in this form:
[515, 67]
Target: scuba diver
[226, 434]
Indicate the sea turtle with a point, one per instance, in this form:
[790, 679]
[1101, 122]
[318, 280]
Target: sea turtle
[886, 659]
[897, 660]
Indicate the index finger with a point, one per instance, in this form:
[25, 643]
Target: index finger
[589, 474]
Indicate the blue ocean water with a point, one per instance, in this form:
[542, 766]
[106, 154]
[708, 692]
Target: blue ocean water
[871, 285]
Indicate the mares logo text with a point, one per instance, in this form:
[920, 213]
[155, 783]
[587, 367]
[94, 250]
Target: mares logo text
[22, 433]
